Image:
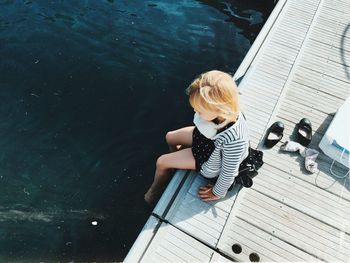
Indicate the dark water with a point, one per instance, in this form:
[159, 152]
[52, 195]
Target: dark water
[88, 90]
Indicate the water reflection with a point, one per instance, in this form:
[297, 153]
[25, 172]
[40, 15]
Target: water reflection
[249, 16]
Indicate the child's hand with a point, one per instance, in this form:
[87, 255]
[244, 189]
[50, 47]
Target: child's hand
[206, 193]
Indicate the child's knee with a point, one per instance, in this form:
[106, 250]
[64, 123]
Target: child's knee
[169, 137]
[161, 162]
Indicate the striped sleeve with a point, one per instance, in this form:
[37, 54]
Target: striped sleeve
[231, 159]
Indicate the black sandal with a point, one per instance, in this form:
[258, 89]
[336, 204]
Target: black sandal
[274, 135]
[304, 131]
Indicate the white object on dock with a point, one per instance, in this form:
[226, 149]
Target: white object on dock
[336, 141]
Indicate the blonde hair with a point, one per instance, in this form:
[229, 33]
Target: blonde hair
[215, 91]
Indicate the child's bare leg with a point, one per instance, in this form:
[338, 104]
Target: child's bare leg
[181, 137]
[182, 159]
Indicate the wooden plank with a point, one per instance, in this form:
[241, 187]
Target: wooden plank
[266, 80]
[331, 55]
[335, 3]
[315, 198]
[172, 245]
[329, 38]
[263, 85]
[255, 111]
[295, 227]
[329, 23]
[293, 164]
[275, 66]
[265, 105]
[327, 51]
[334, 15]
[263, 92]
[295, 25]
[142, 241]
[281, 52]
[255, 240]
[224, 204]
[326, 67]
[257, 126]
[304, 5]
[323, 102]
[291, 34]
[260, 74]
[308, 226]
[298, 15]
[203, 220]
[311, 209]
[308, 9]
[287, 42]
[294, 113]
[218, 258]
[169, 192]
[268, 72]
[321, 82]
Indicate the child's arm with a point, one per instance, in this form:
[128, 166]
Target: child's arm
[231, 158]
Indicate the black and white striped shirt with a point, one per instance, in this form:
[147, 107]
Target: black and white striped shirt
[231, 148]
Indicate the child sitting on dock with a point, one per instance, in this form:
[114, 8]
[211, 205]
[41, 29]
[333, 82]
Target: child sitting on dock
[215, 146]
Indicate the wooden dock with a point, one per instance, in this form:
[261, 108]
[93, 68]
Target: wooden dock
[299, 66]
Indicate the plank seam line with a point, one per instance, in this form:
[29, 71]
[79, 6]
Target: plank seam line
[204, 216]
[165, 211]
[285, 241]
[196, 225]
[329, 49]
[230, 212]
[250, 242]
[239, 229]
[315, 39]
[289, 78]
[164, 220]
[300, 221]
[278, 168]
[325, 74]
[310, 52]
[320, 90]
[330, 7]
[150, 241]
[296, 203]
[318, 108]
[340, 210]
[295, 208]
[176, 245]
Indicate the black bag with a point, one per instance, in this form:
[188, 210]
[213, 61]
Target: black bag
[249, 167]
